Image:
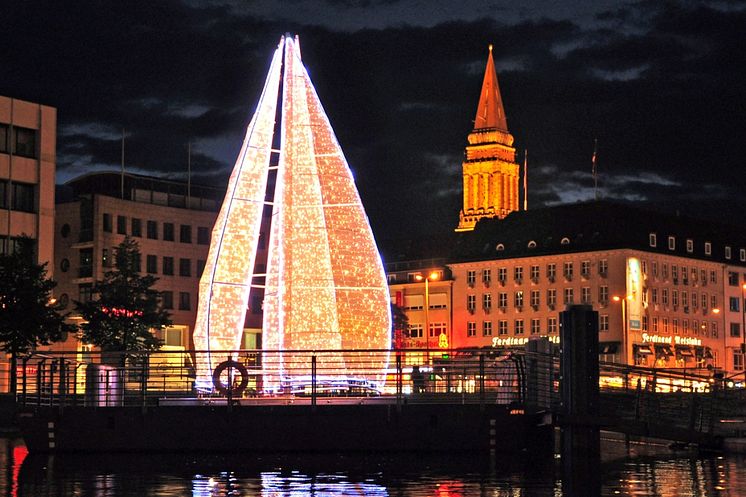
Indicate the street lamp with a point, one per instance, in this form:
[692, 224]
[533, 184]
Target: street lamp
[625, 329]
[433, 276]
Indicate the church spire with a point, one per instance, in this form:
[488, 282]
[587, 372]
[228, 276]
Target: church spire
[490, 113]
[490, 170]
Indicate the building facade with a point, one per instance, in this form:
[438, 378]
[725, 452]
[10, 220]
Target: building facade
[171, 225]
[28, 135]
[490, 171]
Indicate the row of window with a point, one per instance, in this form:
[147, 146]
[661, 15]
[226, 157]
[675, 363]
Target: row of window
[678, 274]
[168, 233]
[535, 298]
[436, 329]
[18, 141]
[681, 327]
[684, 299]
[17, 196]
[568, 269]
[85, 294]
[728, 252]
[519, 326]
[85, 269]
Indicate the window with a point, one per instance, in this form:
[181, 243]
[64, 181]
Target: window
[665, 325]
[535, 274]
[535, 326]
[151, 264]
[4, 138]
[168, 232]
[708, 248]
[654, 265]
[471, 277]
[603, 322]
[568, 295]
[645, 322]
[85, 270]
[168, 266]
[655, 325]
[735, 329]
[535, 299]
[675, 298]
[585, 269]
[689, 245]
[136, 227]
[415, 330]
[714, 329]
[168, 299]
[675, 274]
[603, 294]
[152, 230]
[471, 302]
[201, 269]
[671, 243]
[713, 277]
[502, 327]
[487, 328]
[519, 326]
[3, 195]
[737, 360]
[500, 247]
[25, 142]
[471, 329]
[551, 271]
[714, 301]
[519, 299]
[502, 275]
[185, 233]
[85, 292]
[654, 295]
[486, 276]
[184, 304]
[727, 252]
[567, 271]
[121, 225]
[503, 300]
[65, 265]
[108, 226]
[664, 296]
[675, 322]
[585, 295]
[437, 329]
[653, 240]
[664, 271]
[203, 236]
[603, 267]
[742, 255]
[552, 325]
[185, 267]
[551, 297]
[732, 278]
[23, 198]
[487, 301]
[518, 274]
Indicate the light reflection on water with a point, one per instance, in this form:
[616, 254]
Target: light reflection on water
[663, 474]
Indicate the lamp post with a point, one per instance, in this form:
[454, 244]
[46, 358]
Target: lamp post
[625, 330]
[433, 276]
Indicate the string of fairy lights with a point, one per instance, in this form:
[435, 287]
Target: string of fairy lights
[325, 287]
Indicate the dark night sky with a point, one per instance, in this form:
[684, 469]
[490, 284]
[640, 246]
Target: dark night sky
[661, 85]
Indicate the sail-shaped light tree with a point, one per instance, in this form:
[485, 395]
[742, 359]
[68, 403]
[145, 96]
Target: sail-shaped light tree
[324, 288]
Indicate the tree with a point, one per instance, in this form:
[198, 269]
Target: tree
[27, 314]
[125, 309]
[399, 325]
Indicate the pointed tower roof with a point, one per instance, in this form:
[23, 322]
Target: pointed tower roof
[490, 113]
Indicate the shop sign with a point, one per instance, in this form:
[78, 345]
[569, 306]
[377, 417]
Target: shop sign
[518, 341]
[671, 340]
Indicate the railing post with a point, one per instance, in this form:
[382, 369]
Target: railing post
[25, 380]
[481, 379]
[39, 377]
[144, 379]
[313, 381]
[399, 380]
[62, 388]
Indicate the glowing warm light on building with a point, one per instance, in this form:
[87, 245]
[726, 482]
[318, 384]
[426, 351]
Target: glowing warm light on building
[325, 287]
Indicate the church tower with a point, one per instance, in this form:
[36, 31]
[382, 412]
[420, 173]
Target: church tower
[490, 170]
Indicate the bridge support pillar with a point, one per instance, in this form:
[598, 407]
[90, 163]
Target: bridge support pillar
[579, 394]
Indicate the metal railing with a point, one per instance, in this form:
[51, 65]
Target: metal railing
[255, 377]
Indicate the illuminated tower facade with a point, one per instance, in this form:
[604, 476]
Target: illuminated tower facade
[324, 287]
[490, 170]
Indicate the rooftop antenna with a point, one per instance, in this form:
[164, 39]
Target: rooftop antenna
[121, 182]
[525, 179]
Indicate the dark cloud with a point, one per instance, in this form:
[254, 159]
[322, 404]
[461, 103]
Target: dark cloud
[657, 83]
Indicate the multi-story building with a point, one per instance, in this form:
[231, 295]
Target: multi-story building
[171, 221]
[659, 283]
[28, 134]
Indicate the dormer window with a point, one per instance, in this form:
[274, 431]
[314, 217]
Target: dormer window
[708, 248]
[500, 247]
[671, 243]
[653, 239]
[532, 244]
[727, 251]
[690, 245]
[565, 241]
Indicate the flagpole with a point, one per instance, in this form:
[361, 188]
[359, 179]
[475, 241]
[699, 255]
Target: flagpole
[525, 179]
[595, 171]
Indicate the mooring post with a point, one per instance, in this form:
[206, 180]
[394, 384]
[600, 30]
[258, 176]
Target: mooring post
[579, 393]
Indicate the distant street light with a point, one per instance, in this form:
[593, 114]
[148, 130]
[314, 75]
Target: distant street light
[433, 276]
[625, 328]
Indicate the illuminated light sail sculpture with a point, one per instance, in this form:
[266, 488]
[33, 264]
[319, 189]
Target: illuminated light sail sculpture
[325, 287]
